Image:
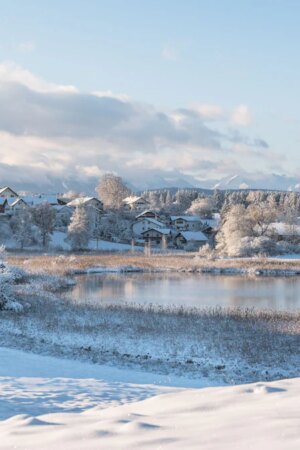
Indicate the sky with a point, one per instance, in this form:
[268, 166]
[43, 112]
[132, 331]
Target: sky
[160, 92]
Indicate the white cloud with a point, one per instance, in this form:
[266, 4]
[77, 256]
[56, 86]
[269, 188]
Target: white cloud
[122, 97]
[62, 133]
[209, 111]
[241, 116]
[12, 73]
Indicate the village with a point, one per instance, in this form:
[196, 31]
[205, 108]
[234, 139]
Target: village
[134, 224]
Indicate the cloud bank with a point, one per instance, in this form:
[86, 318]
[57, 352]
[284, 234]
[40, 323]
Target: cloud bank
[51, 132]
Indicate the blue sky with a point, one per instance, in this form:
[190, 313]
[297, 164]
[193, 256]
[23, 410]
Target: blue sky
[238, 56]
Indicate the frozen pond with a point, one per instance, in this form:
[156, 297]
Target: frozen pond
[189, 289]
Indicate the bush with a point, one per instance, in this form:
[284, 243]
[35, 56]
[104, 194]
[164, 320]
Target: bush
[206, 252]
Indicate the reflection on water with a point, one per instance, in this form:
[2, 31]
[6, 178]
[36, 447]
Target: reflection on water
[189, 289]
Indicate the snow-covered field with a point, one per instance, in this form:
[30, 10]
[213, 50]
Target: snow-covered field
[48, 404]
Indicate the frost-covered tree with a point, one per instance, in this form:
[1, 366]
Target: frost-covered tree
[112, 190]
[202, 207]
[22, 227]
[79, 230]
[246, 231]
[234, 227]
[261, 216]
[43, 217]
[116, 227]
[183, 200]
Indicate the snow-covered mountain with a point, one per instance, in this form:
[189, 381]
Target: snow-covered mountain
[33, 180]
[272, 181]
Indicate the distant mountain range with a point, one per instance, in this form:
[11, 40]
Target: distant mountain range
[148, 180]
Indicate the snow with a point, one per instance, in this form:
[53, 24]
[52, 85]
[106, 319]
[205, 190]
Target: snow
[111, 246]
[48, 404]
[58, 240]
[283, 229]
[197, 236]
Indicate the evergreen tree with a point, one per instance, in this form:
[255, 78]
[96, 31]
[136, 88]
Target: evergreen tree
[78, 230]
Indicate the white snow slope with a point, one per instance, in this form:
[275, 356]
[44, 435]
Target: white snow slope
[47, 403]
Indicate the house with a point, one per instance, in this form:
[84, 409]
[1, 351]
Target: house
[211, 226]
[16, 205]
[190, 240]
[155, 236]
[187, 223]
[144, 224]
[134, 203]
[147, 213]
[7, 192]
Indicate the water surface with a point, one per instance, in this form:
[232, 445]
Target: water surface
[201, 290]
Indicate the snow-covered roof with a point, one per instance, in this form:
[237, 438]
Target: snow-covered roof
[159, 230]
[133, 199]
[82, 201]
[212, 223]
[35, 200]
[186, 218]
[193, 236]
[7, 188]
[14, 202]
[145, 212]
[155, 222]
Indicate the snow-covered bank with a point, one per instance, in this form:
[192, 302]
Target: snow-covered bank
[48, 404]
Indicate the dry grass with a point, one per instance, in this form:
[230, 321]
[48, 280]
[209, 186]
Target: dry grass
[68, 264]
[236, 345]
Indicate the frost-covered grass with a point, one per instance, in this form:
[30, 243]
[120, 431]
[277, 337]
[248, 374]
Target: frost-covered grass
[68, 264]
[231, 346]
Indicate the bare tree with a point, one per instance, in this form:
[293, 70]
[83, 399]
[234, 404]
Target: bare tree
[112, 191]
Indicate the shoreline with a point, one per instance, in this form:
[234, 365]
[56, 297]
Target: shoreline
[76, 264]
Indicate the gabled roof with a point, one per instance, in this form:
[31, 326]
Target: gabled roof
[7, 187]
[187, 218]
[193, 236]
[80, 201]
[16, 202]
[133, 199]
[155, 222]
[145, 212]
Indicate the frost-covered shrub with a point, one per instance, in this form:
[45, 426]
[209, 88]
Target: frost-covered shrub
[264, 245]
[206, 252]
[7, 299]
[8, 277]
[251, 246]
